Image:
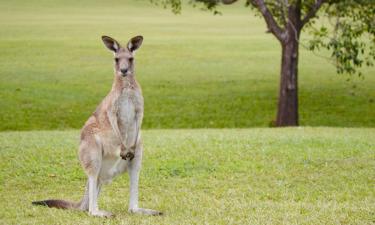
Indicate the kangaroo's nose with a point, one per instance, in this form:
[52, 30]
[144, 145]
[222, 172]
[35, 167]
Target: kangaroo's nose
[124, 71]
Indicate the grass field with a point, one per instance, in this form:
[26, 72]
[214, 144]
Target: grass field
[203, 176]
[197, 70]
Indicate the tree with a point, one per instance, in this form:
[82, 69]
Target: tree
[350, 36]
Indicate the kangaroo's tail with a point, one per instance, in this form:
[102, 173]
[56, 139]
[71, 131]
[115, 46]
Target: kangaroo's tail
[60, 204]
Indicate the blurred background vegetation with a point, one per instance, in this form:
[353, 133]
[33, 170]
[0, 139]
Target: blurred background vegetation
[196, 70]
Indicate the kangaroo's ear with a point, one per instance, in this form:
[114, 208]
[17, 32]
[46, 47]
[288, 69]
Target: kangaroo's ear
[135, 43]
[111, 43]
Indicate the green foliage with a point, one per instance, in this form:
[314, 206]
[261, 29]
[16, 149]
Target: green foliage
[174, 4]
[239, 176]
[350, 36]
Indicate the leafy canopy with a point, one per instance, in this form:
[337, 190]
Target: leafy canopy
[345, 27]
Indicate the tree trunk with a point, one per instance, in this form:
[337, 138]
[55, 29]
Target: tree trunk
[287, 113]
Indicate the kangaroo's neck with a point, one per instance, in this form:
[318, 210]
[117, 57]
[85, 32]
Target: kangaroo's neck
[121, 83]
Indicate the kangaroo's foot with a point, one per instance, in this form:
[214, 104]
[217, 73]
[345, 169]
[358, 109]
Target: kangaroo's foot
[101, 213]
[146, 212]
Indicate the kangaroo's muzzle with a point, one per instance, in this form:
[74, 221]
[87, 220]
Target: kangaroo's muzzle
[124, 72]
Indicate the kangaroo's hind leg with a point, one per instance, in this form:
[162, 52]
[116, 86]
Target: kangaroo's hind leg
[91, 160]
[134, 167]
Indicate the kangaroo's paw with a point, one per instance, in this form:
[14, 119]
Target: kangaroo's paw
[101, 213]
[127, 155]
[146, 212]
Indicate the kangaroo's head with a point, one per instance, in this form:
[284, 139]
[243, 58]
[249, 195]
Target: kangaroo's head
[123, 56]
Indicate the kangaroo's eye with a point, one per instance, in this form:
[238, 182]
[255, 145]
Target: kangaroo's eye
[116, 60]
[131, 60]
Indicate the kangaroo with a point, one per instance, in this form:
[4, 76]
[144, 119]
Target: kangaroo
[110, 141]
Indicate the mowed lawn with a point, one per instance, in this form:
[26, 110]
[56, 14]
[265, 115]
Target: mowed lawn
[204, 176]
[197, 70]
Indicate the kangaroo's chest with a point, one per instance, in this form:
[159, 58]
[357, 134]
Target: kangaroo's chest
[130, 106]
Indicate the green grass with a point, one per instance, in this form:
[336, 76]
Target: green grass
[197, 70]
[229, 176]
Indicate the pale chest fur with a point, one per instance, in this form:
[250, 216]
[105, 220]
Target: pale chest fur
[130, 111]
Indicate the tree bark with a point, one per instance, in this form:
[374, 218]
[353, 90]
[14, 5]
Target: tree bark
[287, 113]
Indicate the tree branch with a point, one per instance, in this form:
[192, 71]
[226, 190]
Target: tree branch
[270, 20]
[310, 14]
